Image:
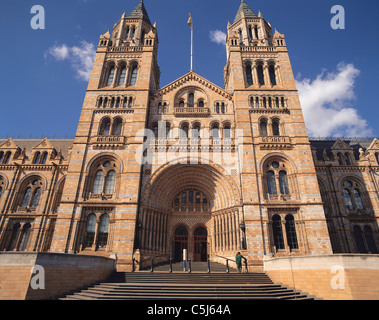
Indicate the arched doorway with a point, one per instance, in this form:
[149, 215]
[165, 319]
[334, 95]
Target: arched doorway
[180, 243]
[200, 244]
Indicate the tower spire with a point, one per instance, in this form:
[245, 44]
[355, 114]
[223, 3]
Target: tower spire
[139, 12]
[246, 10]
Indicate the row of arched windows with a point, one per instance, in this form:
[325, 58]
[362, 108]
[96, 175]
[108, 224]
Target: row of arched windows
[352, 195]
[344, 159]
[105, 178]
[191, 200]
[5, 157]
[276, 179]
[120, 74]
[32, 194]
[194, 131]
[190, 101]
[111, 127]
[268, 102]
[255, 74]
[115, 102]
[40, 158]
[273, 130]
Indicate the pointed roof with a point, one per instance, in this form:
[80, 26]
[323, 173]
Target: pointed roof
[136, 13]
[248, 13]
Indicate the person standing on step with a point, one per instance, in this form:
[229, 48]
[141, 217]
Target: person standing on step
[239, 258]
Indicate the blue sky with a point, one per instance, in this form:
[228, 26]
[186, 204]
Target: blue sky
[42, 93]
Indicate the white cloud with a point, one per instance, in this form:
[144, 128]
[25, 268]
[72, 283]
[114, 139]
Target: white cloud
[80, 57]
[326, 103]
[218, 36]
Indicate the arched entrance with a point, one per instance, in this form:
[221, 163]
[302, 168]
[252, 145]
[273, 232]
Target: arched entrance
[180, 243]
[200, 244]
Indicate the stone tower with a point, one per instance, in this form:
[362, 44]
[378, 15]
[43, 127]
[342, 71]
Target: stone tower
[281, 199]
[98, 211]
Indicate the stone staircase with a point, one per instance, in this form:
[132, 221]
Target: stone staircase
[179, 285]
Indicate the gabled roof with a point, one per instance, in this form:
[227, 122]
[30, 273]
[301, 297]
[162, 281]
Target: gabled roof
[248, 13]
[136, 13]
[192, 76]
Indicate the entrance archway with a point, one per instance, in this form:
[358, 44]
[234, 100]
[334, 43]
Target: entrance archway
[200, 244]
[180, 243]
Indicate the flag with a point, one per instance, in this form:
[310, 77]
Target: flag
[190, 21]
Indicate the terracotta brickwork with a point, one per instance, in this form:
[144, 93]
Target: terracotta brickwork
[57, 274]
[338, 277]
[153, 170]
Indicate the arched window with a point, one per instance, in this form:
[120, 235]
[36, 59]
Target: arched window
[103, 231]
[105, 127]
[13, 241]
[133, 78]
[263, 128]
[217, 107]
[249, 76]
[250, 32]
[184, 131]
[359, 240]
[240, 35]
[275, 128]
[25, 236]
[117, 127]
[222, 107]
[201, 103]
[264, 102]
[121, 80]
[352, 195]
[370, 240]
[277, 232]
[7, 157]
[198, 198]
[283, 182]
[271, 183]
[215, 132]
[44, 158]
[37, 157]
[130, 102]
[26, 198]
[252, 102]
[257, 102]
[36, 198]
[291, 232]
[256, 32]
[190, 197]
[110, 182]
[31, 193]
[358, 199]
[98, 182]
[340, 160]
[133, 31]
[347, 159]
[348, 200]
[181, 104]
[226, 133]
[196, 131]
[110, 76]
[191, 100]
[184, 198]
[271, 70]
[90, 231]
[261, 77]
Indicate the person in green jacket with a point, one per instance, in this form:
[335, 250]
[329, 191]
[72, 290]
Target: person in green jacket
[239, 261]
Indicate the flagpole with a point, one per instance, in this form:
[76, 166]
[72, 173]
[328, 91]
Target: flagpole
[191, 48]
[191, 26]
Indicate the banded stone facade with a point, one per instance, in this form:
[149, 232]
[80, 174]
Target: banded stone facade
[155, 170]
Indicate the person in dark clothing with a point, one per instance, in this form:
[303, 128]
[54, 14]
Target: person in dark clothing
[239, 258]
